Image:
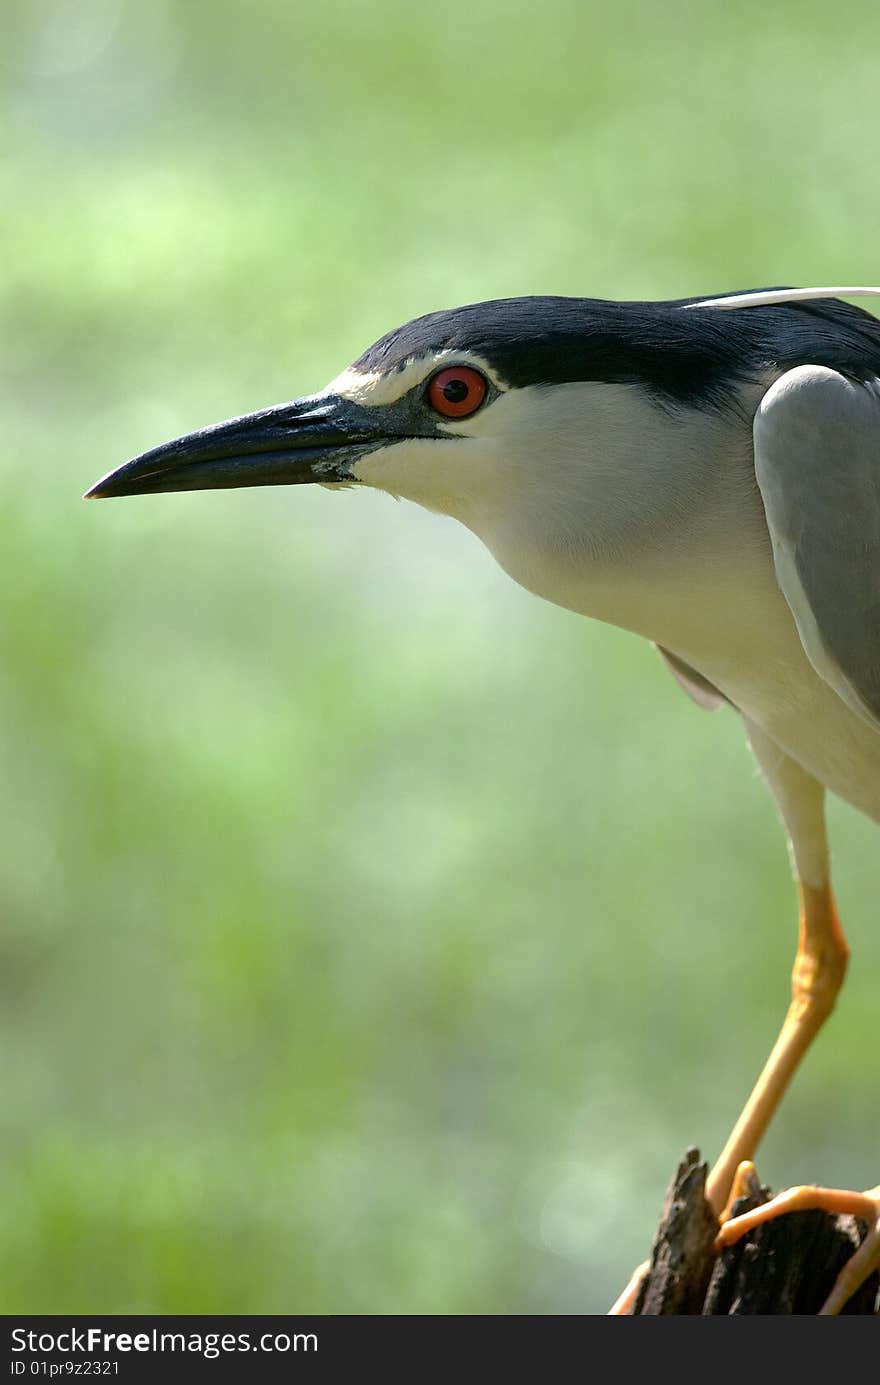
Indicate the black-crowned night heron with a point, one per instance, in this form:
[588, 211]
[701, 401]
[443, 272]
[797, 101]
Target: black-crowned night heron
[705, 473]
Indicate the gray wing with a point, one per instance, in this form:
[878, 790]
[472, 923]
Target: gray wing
[817, 460]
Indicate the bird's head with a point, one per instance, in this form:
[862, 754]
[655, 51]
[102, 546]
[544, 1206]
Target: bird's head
[544, 406]
[450, 409]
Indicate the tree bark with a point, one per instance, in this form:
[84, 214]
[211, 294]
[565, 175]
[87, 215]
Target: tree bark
[787, 1265]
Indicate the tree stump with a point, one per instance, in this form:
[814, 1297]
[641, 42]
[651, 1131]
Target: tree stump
[788, 1265]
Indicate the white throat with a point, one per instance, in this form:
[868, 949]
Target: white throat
[596, 497]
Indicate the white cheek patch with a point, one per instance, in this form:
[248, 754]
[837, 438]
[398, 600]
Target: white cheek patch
[447, 476]
[400, 468]
[378, 387]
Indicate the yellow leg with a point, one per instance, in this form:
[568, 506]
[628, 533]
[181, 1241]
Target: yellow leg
[819, 969]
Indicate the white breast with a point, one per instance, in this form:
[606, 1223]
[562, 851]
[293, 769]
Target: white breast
[599, 500]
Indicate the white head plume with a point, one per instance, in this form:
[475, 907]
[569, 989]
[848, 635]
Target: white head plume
[767, 297]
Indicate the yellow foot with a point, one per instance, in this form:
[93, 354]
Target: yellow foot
[865, 1206]
[623, 1304]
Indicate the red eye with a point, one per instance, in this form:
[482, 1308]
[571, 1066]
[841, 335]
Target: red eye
[457, 391]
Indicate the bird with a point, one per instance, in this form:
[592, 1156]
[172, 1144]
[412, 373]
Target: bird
[703, 472]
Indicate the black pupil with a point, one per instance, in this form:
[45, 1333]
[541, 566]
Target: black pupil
[456, 391]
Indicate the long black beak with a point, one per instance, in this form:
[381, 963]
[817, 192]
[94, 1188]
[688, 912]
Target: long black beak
[290, 444]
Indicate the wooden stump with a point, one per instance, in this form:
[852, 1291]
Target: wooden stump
[788, 1265]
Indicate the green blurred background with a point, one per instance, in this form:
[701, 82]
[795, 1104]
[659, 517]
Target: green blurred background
[374, 936]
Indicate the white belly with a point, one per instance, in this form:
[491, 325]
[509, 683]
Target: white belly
[805, 717]
[725, 616]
